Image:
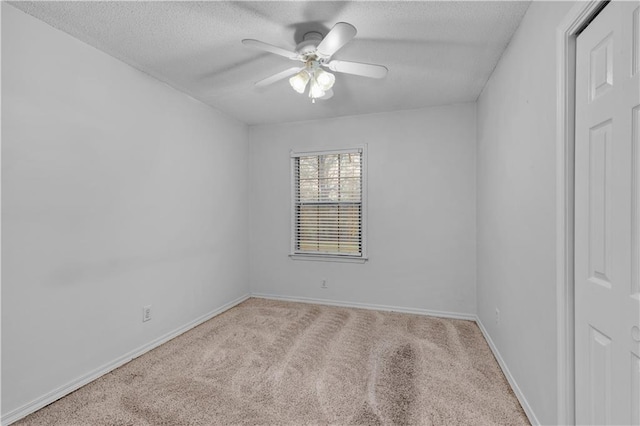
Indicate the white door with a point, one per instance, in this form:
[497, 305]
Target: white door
[607, 228]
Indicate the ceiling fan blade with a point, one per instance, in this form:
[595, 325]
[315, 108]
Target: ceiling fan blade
[358, 68]
[279, 76]
[340, 34]
[270, 48]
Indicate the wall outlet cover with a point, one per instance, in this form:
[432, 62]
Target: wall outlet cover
[146, 313]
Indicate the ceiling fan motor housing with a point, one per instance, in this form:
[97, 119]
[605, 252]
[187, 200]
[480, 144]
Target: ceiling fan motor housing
[309, 43]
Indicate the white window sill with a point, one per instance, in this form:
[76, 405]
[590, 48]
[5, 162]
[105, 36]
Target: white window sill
[328, 258]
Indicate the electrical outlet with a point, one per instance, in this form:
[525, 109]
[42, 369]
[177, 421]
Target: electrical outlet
[497, 316]
[324, 284]
[146, 313]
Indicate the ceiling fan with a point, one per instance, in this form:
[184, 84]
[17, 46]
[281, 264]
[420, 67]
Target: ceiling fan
[315, 53]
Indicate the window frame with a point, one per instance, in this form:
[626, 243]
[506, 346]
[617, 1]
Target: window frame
[350, 258]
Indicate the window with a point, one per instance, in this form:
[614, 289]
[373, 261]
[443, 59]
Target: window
[328, 209]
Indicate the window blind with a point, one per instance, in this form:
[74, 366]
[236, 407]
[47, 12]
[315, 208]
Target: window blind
[328, 203]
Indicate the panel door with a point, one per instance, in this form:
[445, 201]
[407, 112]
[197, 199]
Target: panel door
[607, 233]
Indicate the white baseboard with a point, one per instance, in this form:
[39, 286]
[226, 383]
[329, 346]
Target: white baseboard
[66, 389]
[512, 381]
[418, 311]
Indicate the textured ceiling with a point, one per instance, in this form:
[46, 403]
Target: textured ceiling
[436, 52]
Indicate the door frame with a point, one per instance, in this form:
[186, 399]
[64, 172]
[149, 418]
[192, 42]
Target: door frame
[567, 32]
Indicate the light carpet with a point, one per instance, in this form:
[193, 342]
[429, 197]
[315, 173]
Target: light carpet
[268, 362]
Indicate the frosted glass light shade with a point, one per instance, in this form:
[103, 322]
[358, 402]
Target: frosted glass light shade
[325, 79]
[315, 91]
[299, 81]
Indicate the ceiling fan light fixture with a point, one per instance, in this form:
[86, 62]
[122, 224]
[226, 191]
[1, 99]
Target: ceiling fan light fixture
[299, 81]
[315, 91]
[324, 79]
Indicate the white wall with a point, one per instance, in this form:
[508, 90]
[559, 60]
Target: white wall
[421, 208]
[117, 192]
[517, 204]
